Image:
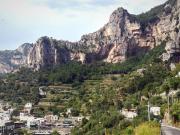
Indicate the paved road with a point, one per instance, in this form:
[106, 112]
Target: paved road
[168, 130]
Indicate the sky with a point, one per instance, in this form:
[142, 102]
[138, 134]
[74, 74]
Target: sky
[24, 21]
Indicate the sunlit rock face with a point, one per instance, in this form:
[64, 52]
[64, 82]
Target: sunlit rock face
[120, 38]
[124, 35]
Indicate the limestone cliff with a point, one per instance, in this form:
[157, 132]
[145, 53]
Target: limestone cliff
[11, 60]
[125, 35]
[119, 39]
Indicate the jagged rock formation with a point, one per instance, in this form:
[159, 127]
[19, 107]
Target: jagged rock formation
[11, 60]
[166, 28]
[120, 38]
[125, 35]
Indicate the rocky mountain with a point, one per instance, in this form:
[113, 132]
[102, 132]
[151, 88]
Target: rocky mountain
[125, 35]
[11, 60]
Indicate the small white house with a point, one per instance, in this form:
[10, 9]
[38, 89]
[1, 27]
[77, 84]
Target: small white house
[155, 111]
[30, 120]
[28, 107]
[130, 114]
[25, 117]
[34, 122]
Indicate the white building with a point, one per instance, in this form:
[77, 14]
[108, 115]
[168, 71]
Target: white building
[6, 126]
[34, 122]
[6, 115]
[130, 114]
[28, 107]
[25, 116]
[30, 120]
[79, 118]
[51, 118]
[155, 111]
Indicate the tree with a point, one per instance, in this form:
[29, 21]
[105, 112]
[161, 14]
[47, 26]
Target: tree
[175, 111]
[174, 83]
[165, 87]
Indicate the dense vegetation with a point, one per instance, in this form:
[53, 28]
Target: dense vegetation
[100, 90]
[76, 72]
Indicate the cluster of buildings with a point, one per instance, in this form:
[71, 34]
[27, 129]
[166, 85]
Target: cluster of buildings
[35, 125]
[47, 124]
[6, 125]
[132, 113]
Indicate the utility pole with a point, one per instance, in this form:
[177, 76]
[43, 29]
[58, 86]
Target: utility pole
[149, 118]
[172, 98]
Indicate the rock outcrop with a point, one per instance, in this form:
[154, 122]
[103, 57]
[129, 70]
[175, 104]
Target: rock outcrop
[119, 39]
[11, 60]
[125, 35]
[167, 29]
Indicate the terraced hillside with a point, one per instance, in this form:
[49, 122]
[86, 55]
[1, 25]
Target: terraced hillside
[55, 99]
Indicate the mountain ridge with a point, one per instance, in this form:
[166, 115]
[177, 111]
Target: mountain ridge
[124, 36]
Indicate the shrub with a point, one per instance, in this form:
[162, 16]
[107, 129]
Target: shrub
[148, 128]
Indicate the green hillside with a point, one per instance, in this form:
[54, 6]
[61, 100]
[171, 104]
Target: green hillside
[99, 90]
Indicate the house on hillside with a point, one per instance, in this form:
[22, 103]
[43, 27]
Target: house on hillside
[156, 111]
[24, 116]
[51, 118]
[129, 114]
[30, 120]
[28, 107]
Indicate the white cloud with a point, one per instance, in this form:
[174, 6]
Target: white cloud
[26, 20]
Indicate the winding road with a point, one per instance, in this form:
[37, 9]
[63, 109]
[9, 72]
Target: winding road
[168, 130]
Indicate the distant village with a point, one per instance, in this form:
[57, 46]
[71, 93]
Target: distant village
[49, 123]
[35, 125]
[10, 124]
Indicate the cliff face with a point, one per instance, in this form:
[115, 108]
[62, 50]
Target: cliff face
[125, 35]
[167, 29]
[11, 60]
[119, 39]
